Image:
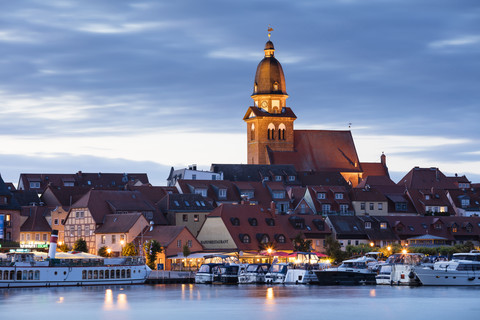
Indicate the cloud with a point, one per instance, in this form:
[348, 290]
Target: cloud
[456, 42]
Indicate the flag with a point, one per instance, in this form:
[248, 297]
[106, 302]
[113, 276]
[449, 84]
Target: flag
[270, 29]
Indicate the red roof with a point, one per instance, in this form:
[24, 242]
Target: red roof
[320, 150]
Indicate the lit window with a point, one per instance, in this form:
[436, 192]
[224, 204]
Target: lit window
[380, 206]
[368, 225]
[196, 218]
[222, 193]
[104, 238]
[383, 225]
[321, 195]
[338, 195]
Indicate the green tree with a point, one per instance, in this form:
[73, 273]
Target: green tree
[333, 249]
[129, 250]
[103, 252]
[302, 244]
[80, 245]
[151, 249]
[63, 248]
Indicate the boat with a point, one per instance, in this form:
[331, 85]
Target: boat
[399, 269]
[24, 269]
[254, 273]
[300, 271]
[229, 273]
[351, 272]
[207, 272]
[462, 270]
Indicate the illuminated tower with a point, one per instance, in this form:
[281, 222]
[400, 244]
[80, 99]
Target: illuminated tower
[269, 121]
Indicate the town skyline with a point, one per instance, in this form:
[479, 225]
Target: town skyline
[152, 85]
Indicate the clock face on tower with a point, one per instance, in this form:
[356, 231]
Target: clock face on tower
[264, 105]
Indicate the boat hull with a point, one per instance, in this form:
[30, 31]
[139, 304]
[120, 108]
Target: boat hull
[429, 277]
[345, 278]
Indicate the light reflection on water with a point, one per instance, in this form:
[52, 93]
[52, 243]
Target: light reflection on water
[240, 302]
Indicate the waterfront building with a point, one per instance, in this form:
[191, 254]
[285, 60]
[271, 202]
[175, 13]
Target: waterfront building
[35, 230]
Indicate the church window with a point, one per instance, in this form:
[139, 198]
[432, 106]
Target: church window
[281, 132]
[275, 86]
[271, 131]
[252, 132]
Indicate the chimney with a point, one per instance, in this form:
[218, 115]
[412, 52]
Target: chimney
[53, 244]
[273, 208]
[383, 159]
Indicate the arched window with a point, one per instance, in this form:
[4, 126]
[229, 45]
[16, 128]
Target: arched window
[265, 239]
[275, 86]
[281, 132]
[252, 132]
[271, 131]
[255, 88]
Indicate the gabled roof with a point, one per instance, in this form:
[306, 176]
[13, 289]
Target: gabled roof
[36, 219]
[152, 193]
[322, 178]
[12, 203]
[63, 196]
[367, 195]
[376, 181]
[320, 150]
[213, 187]
[374, 169]
[426, 178]
[119, 223]
[166, 234]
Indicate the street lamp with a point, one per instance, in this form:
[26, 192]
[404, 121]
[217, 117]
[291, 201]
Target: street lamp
[109, 251]
[122, 243]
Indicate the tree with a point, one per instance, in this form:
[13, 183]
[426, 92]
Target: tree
[103, 252]
[301, 244]
[151, 249]
[333, 249]
[63, 248]
[186, 253]
[80, 245]
[129, 250]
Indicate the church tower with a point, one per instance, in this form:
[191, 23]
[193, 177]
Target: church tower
[269, 121]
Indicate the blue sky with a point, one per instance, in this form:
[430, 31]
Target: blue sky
[140, 86]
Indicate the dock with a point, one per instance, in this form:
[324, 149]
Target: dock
[165, 277]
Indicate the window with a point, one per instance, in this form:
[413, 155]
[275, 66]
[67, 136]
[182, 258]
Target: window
[278, 194]
[278, 178]
[362, 206]
[246, 238]
[438, 226]
[79, 231]
[383, 225]
[265, 239]
[103, 239]
[427, 197]
[55, 222]
[187, 203]
[179, 243]
[176, 203]
[87, 231]
[68, 184]
[303, 208]
[214, 177]
[253, 222]
[203, 192]
[281, 239]
[252, 132]
[465, 202]
[338, 195]
[35, 184]
[222, 193]
[400, 206]
[79, 214]
[270, 222]
[185, 218]
[114, 239]
[372, 207]
[44, 237]
[325, 208]
[380, 206]
[291, 178]
[343, 208]
[235, 221]
[194, 177]
[22, 237]
[28, 236]
[196, 218]
[454, 227]
[321, 196]
[368, 225]
[189, 243]
[72, 231]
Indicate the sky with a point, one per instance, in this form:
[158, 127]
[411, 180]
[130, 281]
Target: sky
[141, 86]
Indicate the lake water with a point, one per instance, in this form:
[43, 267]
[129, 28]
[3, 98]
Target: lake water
[191, 301]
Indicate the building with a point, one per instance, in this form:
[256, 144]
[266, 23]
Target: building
[10, 221]
[191, 173]
[272, 139]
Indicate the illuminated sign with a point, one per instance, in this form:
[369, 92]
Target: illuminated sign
[34, 245]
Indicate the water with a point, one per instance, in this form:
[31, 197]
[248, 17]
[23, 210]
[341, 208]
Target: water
[241, 302]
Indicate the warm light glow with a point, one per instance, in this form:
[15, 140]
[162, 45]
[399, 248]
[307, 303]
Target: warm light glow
[371, 244]
[122, 242]
[373, 293]
[269, 250]
[109, 250]
[404, 251]
[270, 296]
[108, 302]
[60, 300]
[60, 243]
[122, 302]
[389, 248]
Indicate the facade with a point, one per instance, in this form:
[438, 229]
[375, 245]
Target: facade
[10, 221]
[368, 201]
[35, 230]
[191, 173]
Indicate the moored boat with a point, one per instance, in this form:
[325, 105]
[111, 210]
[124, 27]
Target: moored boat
[398, 269]
[207, 273]
[357, 271]
[254, 273]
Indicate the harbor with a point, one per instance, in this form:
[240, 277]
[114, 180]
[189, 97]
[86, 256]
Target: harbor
[187, 301]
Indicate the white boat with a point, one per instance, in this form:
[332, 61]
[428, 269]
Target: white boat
[24, 270]
[350, 272]
[254, 273]
[207, 272]
[462, 270]
[301, 271]
[229, 274]
[398, 269]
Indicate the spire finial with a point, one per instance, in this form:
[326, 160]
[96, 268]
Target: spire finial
[270, 29]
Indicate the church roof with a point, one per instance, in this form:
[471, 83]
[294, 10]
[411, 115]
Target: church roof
[320, 150]
[254, 112]
[269, 78]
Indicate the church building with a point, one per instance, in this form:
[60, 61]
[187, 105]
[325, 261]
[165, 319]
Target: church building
[272, 138]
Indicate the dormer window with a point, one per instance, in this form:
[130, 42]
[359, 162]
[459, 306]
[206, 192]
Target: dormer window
[338, 196]
[383, 225]
[245, 238]
[176, 203]
[321, 196]
[368, 225]
[291, 178]
[281, 238]
[278, 178]
[35, 184]
[253, 222]
[235, 221]
[427, 197]
[469, 227]
[187, 203]
[201, 191]
[455, 227]
[222, 193]
[275, 86]
[270, 222]
[279, 194]
[465, 202]
[265, 238]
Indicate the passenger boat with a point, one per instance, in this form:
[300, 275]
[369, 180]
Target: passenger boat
[462, 270]
[25, 270]
[350, 272]
[399, 269]
[254, 273]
